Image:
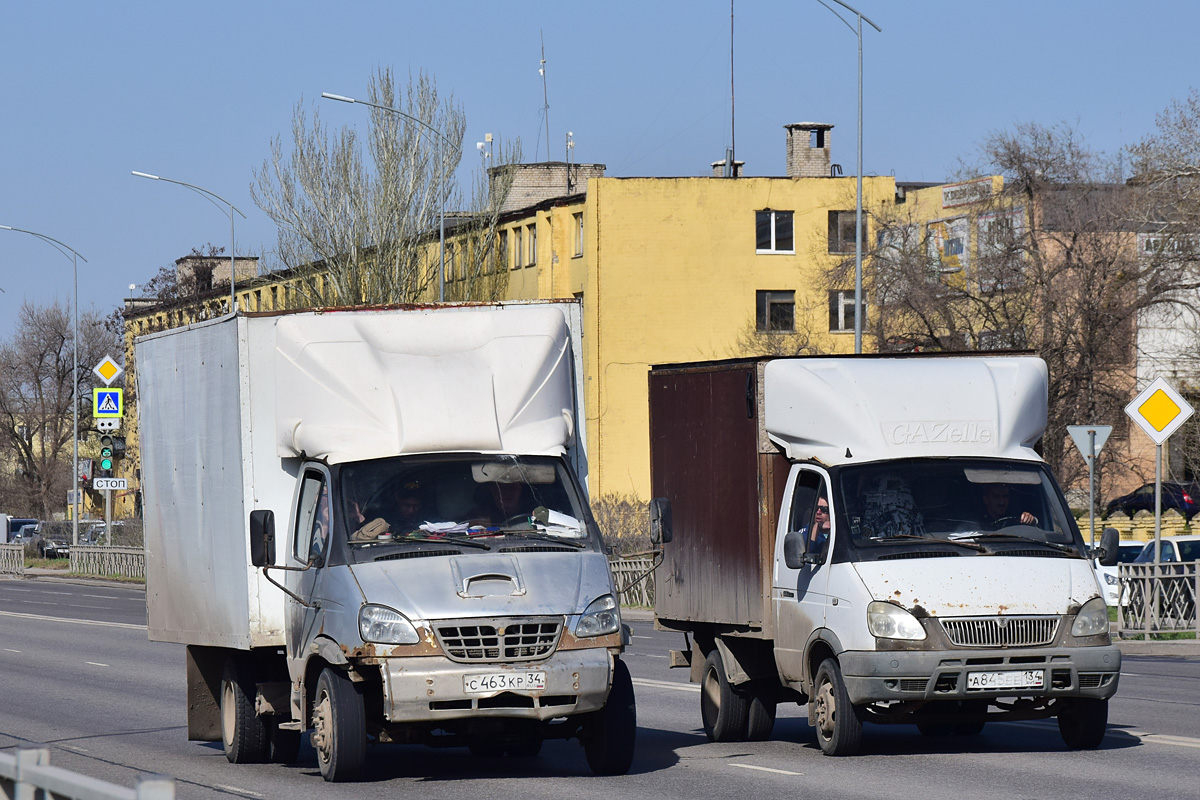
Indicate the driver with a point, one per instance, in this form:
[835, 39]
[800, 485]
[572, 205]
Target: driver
[500, 504]
[996, 514]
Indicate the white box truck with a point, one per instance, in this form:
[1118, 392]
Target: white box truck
[878, 539]
[371, 524]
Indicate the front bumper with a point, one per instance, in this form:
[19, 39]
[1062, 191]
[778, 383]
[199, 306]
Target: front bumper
[430, 688]
[873, 677]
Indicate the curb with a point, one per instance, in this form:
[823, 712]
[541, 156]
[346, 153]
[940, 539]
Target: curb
[41, 573]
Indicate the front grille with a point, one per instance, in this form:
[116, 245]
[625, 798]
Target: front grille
[1000, 631]
[498, 639]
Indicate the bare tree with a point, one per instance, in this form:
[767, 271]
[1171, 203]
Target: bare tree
[1056, 269]
[35, 403]
[357, 232]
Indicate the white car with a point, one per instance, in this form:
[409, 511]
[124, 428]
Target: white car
[1110, 585]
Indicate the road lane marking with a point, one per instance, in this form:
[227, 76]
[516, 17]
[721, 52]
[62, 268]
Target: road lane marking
[766, 769]
[236, 790]
[10, 650]
[102, 596]
[1164, 738]
[642, 637]
[681, 687]
[43, 618]
[95, 664]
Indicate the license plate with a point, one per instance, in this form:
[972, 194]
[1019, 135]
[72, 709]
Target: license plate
[504, 681]
[1015, 679]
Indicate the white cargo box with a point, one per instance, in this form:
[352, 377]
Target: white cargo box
[227, 409]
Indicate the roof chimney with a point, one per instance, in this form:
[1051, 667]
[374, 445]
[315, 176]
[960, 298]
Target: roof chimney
[808, 153]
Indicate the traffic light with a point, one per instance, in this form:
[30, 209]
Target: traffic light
[106, 456]
[118, 447]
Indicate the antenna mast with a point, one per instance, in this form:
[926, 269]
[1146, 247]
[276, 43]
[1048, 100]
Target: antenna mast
[545, 95]
[732, 126]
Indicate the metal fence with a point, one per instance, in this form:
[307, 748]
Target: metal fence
[12, 559]
[1162, 598]
[108, 562]
[27, 774]
[634, 578]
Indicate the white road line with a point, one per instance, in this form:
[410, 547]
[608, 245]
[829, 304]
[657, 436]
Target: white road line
[102, 596]
[10, 650]
[95, 664]
[766, 769]
[236, 790]
[43, 618]
[73, 747]
[679, 687]
[643, 637]
[1163, 738]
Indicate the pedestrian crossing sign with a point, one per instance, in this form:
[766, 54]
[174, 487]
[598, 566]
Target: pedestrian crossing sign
[108, 403]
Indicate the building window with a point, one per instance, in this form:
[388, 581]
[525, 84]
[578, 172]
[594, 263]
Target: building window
[841, 231]
[773, 232]
[502, 251]
[518, 251]
[775, 311]
[841, 310]
[532, 237]
[578, 234]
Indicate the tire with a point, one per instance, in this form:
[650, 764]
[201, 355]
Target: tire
[1083, 722]
[724, 712]
[839, 728]
[340, 727]
[283, 747]
[762, 715]
[609, 734]
[243, 733]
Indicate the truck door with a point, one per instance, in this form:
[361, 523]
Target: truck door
[311, 528]
[800, 596]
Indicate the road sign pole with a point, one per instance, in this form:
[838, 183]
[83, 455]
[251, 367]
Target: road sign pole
[1156, 585]
[1092, 484]
[108, 517]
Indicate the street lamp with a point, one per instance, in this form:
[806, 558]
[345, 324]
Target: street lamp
[209, 196]
[442, 194]
[62, 248]
[858, 299]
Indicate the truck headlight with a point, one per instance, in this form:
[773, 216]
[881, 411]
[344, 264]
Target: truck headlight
[1092, 619]
[889, 621]
[1110, 579]
[383, 625]
[602, 616]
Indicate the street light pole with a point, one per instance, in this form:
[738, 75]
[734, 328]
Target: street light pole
[209, 196]
[62, 248]
[441, 195]
[858, 276]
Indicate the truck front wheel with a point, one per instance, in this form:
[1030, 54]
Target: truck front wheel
[839, 729]
[243, 733]
[608, 734]
[724, 712]
[1083, 722]
[340, 727]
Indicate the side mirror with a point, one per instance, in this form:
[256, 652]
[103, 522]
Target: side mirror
[660, 521]
[1110, 545]
[793, 550]
[262, 538]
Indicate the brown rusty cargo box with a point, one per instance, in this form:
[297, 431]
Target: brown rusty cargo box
[723, 479]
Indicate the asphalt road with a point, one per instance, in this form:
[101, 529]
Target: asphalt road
[80, 675]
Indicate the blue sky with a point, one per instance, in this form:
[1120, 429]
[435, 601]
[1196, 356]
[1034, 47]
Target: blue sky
[196, 92]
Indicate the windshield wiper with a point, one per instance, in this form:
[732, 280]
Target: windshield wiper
[549, 537]
[1065, 548]
[463, 540]
[969, 545]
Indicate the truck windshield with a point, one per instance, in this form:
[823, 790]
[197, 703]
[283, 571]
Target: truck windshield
[985, 506]
[466, 502]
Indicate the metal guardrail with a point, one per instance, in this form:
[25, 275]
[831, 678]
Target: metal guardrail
[108, 562]
[634, 578]
[27, 774]
[12, 559]
[1161, 598]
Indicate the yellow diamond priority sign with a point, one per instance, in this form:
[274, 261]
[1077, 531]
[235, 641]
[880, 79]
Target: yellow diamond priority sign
[1159, 410]
[108, 370]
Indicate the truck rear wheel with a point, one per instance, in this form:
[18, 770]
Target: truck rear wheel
[839, 729]
[243, 732]
[724, 712]
[762, 714]
[1083, 722]
[340, 727]
[608, 734]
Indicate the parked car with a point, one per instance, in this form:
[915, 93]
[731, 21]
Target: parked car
[95, 534]
[1110, 585]
[1174, 548]
[53, 540]
[1178, 597]
[1183, 497]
